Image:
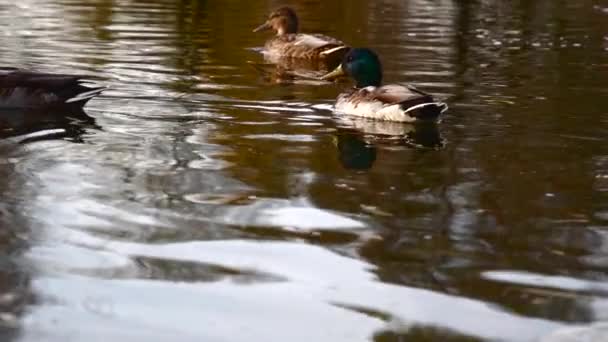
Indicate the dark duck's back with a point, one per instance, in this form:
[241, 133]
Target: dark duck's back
[29, 89]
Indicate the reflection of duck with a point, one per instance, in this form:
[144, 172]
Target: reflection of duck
[290, 70]
[371, 100]
[27, 89]
[33, 124]
[354, 153]
[288, 43]
[392, 133]
[357, 139]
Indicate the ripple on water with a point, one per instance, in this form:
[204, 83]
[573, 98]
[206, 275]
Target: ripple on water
[286, 214]
[330, 291]
[283, 137]
[61, 258]
[547, 281]
[208, 163]
[162, 220]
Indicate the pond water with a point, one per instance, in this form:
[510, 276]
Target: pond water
[206, 196]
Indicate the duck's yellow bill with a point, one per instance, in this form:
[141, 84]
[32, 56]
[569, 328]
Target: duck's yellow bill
[334, 74]
[263, 27]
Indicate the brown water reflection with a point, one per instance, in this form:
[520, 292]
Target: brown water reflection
[202, 198]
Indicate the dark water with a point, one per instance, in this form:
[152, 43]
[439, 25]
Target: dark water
[200, 199]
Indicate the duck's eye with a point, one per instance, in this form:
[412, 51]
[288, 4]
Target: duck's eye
[349, 59]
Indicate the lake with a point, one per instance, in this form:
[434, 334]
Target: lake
[207, 195]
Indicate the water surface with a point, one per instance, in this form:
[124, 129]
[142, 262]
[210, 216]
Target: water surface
[208, 196]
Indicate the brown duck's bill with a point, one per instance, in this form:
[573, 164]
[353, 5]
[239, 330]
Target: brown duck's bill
[265, 26]
[334, 74]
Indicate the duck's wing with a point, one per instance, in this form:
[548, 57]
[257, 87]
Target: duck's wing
[328, 48]
[413, 101]
[406, 95]
[314, 41]
[21, 88]
[309, 46]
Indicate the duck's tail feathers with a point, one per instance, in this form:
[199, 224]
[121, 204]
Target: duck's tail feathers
[333, 55]
[84, 94]
[428, 111]
[342, 49]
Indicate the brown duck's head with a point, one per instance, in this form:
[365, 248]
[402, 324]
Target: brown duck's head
[283, 21]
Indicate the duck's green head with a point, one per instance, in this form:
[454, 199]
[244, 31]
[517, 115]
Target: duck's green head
[362, 65]
[283, 21]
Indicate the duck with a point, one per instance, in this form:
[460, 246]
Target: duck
[372, 100]
[288, 43]
[25, 89]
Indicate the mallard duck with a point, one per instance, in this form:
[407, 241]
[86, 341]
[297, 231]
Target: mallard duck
[29, 89]
[372, 100]
[289, 43]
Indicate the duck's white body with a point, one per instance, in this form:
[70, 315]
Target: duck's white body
[389, 103]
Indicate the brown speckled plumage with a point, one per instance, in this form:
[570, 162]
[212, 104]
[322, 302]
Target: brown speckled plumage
[289, 43]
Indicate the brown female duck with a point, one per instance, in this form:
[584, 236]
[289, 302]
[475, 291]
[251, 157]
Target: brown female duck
[291, 44]
[29, 89]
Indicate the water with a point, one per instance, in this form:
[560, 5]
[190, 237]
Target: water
[202, 199]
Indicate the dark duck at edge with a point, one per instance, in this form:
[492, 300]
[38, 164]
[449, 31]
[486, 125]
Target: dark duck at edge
[21, 89]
